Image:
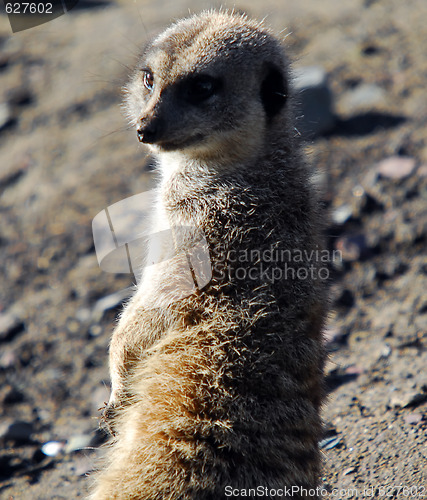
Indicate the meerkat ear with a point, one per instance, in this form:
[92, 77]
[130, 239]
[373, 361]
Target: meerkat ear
[274, 91]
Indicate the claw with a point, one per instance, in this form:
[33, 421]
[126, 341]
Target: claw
[107, 418]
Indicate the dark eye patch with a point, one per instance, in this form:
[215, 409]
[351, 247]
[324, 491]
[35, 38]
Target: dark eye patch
[274, 91]
[200, 88]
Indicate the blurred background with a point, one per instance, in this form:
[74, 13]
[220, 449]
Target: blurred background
[360, 68]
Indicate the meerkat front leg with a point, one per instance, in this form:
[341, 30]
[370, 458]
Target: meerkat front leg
[128, 341]
[141, 324]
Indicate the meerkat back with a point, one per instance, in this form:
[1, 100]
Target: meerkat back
[218, 390]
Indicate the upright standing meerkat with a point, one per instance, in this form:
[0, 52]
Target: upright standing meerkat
[219, 391]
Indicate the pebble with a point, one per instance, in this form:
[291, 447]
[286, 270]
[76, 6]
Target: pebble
[329, 443]
[11, 175]
[315, 97]
[413, 418]
[13, 396]
[73, 326]
[407, 399]
[6, 117]
[83, 315]
[337, 377]
[83, 465]
[384, 352]
[333, 334]
[369, 203]
[78, 442]
[111, 301]
[10, 326]
[95, 331]
[354, 370]
[20, 96]
[19, 431]
[8, 358]
[346, 299]
[364, 96]
[342, 214]
[349, 470]
[352, 248]
[396, 167]
[52, 448]
[335, 337]
[4, 62]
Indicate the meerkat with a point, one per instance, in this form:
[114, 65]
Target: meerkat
[219, 389]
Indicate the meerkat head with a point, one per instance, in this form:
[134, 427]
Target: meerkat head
[209, 85]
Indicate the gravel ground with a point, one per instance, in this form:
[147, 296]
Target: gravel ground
[65, 155]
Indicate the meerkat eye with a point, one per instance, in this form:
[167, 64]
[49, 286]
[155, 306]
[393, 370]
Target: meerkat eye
[148, 79]
[200, 88]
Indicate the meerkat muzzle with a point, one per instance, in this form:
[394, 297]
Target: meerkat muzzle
[147, 134]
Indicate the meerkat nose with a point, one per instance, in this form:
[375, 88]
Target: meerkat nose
[146, 134]
[149, 132]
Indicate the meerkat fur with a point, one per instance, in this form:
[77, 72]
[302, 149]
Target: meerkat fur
[221, 388]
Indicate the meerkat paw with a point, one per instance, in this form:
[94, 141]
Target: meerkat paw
[108, 416]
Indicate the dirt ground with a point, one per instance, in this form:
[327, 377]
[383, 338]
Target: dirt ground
[65, 155]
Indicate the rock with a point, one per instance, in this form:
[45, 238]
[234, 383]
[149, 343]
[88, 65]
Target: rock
[8, 358]
[364, 96]
[405, 233]
[6, 118]
[413, 418]
[13, 396]
[396, 167]
[83, 315]
[352, 248]
[10, 326]
[4, 62]
[83, 466]
[329, 443]
[73, 326]
[346, 299]
[389, 268]
[370, 50]
[354, 370]
[342, 214]
[315, 98]
[420, 323]
[337, 377]
[78, 442]
[95, 331]
[20, 96]
[13, 174]
[384, 352]
[335, 338]
[408, 399]
[110, 302]
[335, 335]
[52, 448]
[349, 470]
[369, 204]
[19, 432]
